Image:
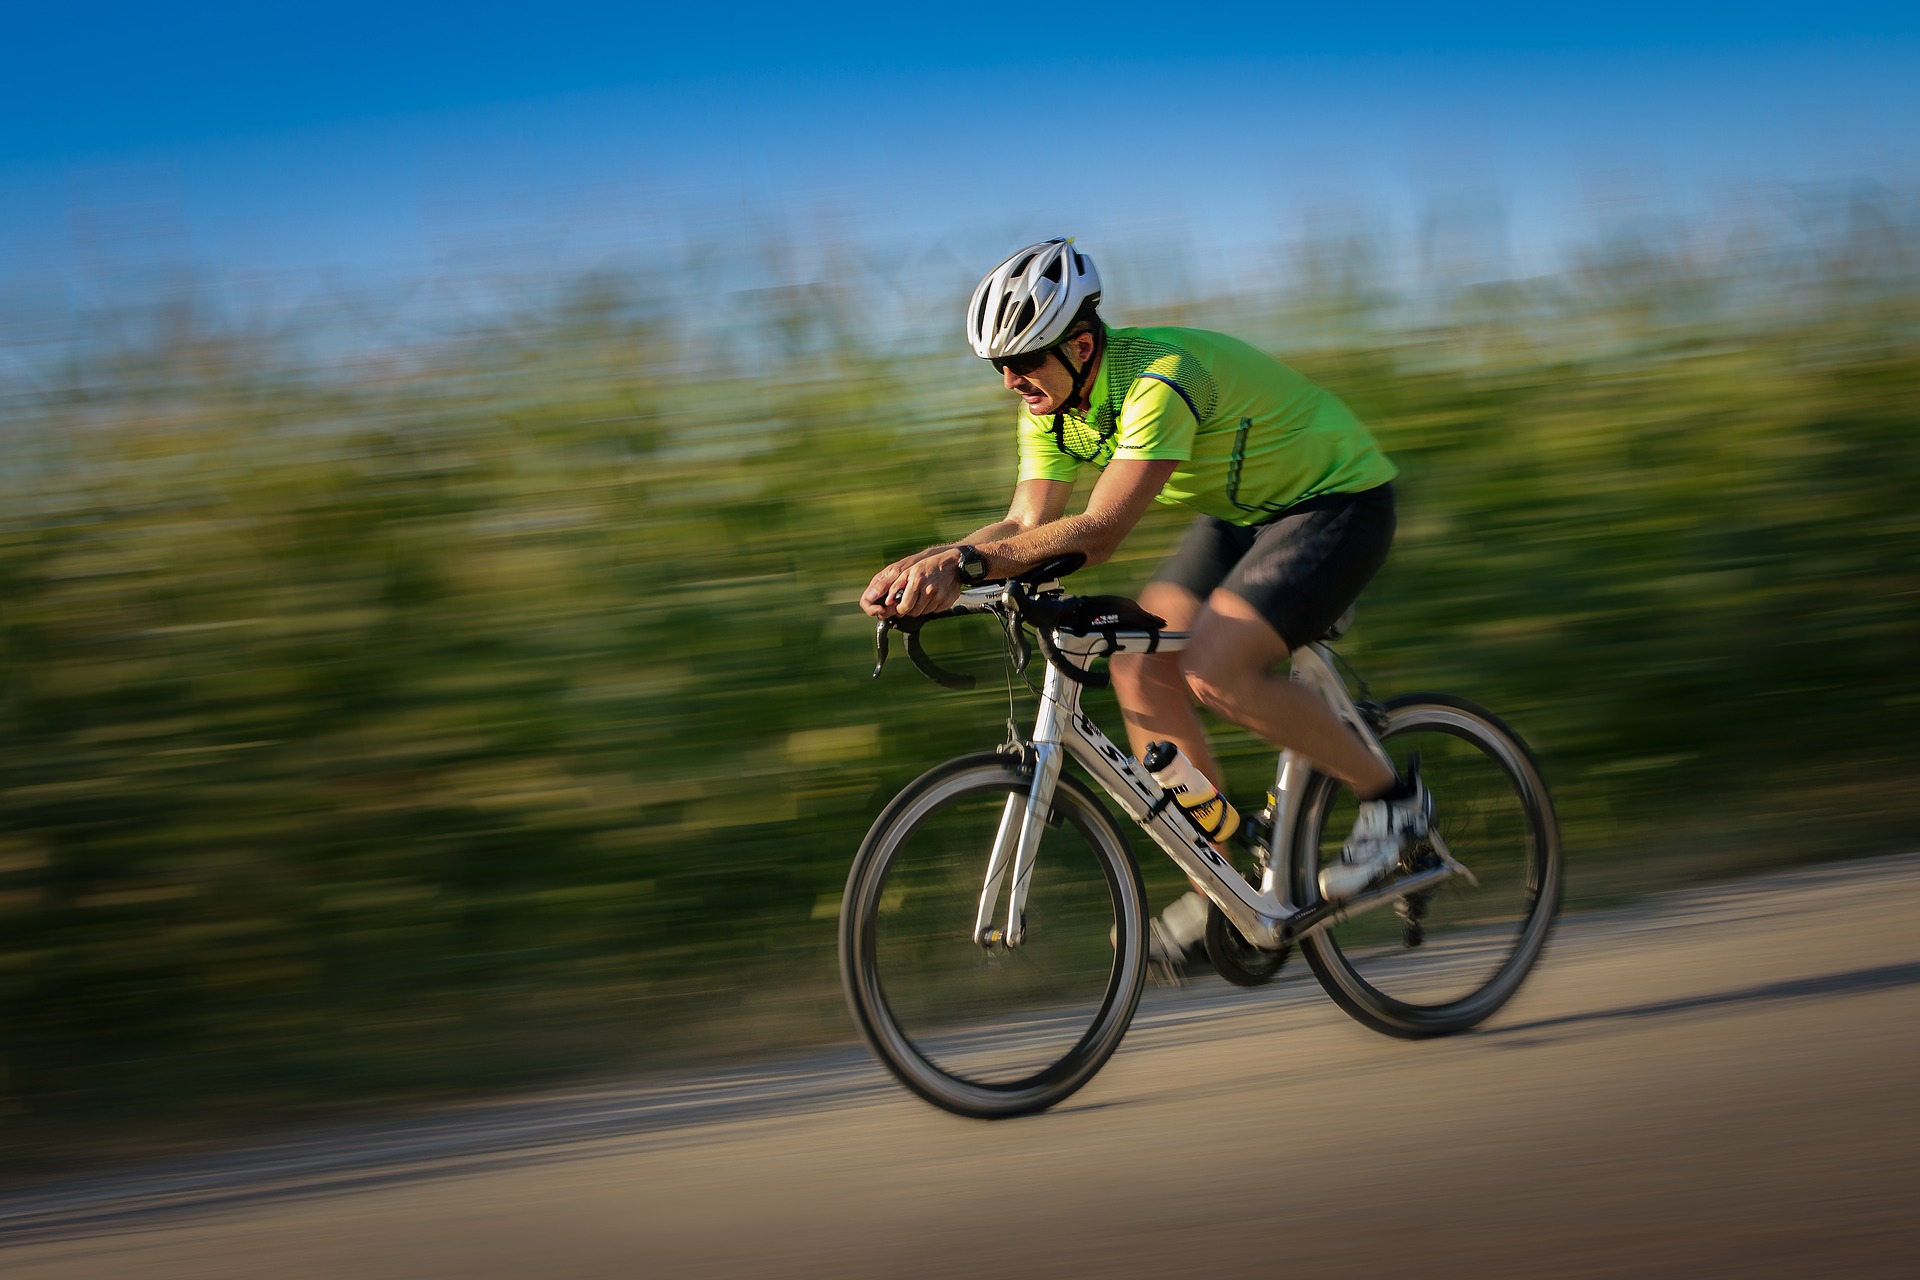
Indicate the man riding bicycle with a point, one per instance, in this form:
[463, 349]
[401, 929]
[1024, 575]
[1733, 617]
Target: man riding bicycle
[1295, 515]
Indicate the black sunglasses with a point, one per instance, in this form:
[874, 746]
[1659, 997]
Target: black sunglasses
[1022, 365]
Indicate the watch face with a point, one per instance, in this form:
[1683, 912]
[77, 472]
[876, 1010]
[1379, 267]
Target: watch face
[973, 567]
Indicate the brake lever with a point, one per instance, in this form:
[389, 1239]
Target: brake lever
[1017, 642]
[880, 630]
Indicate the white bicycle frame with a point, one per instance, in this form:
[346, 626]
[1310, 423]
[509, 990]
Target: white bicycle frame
[1267, 916]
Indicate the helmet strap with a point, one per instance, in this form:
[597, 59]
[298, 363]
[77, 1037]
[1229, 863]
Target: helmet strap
[1079, 377]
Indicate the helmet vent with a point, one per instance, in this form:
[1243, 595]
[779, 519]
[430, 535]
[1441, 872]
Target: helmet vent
[1000, 316]
[1024, 316]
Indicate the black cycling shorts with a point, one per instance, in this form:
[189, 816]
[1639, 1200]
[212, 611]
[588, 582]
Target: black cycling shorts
[1299, 570]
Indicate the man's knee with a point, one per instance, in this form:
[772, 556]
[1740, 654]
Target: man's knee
[1211, 677]
[1229, 655]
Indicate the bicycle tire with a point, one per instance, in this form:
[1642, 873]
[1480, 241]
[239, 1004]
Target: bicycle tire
[1492, 805]
[991, 1033]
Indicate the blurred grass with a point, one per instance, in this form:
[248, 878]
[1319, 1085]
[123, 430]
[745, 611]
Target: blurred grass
[499, 709]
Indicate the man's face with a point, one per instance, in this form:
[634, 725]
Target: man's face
[1046, 386]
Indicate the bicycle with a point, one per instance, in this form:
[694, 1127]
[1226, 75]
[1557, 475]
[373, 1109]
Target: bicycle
[993, 1004]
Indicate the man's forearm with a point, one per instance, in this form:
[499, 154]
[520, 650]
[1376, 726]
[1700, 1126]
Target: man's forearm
[1018, 551]
[985, 533]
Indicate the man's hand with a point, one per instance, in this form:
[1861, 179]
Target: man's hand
[907, 588]
[895, 592]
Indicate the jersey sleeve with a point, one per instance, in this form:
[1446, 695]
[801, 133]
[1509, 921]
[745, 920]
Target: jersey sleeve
[1157, 421]
[1040, 457]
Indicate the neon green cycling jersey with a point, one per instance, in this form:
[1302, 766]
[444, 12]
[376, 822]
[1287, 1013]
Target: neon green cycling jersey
[1254, 437]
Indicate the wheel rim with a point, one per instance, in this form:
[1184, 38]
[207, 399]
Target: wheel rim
[1477, 942]
[979, 1030]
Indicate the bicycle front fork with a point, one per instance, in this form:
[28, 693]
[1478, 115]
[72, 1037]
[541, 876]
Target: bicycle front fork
[1015, 846]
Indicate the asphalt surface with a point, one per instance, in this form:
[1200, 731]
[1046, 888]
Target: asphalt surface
[1715, 1082]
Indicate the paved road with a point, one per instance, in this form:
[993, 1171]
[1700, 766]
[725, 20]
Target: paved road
[1726, 1081]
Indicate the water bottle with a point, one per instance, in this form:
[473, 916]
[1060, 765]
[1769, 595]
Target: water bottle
[1203, 802]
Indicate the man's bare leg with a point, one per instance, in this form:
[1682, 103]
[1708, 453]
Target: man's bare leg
[1232, 665]
[1154, 698]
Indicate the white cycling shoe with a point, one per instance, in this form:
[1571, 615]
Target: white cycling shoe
[1177, 939]
[1382, 834]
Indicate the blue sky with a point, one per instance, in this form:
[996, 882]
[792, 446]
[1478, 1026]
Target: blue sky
[406, 139]
[102, 78]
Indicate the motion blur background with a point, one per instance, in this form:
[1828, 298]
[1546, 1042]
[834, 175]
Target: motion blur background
[440, 454]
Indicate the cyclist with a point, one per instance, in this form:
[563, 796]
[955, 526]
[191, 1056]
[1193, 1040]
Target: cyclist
[1295, 512]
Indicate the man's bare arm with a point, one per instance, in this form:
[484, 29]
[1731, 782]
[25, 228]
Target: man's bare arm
[1035, 502]
[1125, 491]
[931, 582]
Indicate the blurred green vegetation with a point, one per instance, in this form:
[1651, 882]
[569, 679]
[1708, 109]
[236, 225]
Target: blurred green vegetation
[473, 713]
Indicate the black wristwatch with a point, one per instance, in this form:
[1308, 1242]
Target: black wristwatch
[973, 566]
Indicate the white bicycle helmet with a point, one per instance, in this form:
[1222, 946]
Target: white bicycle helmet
[1027, 302]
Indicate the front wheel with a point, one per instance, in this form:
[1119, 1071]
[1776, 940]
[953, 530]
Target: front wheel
[991, 1032]
[1442, 961]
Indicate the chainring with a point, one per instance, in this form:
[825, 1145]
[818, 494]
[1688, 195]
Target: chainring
[1236, 959]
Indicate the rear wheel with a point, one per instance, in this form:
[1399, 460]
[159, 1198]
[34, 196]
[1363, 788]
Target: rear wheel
[979, 1031]
[1445, 960]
